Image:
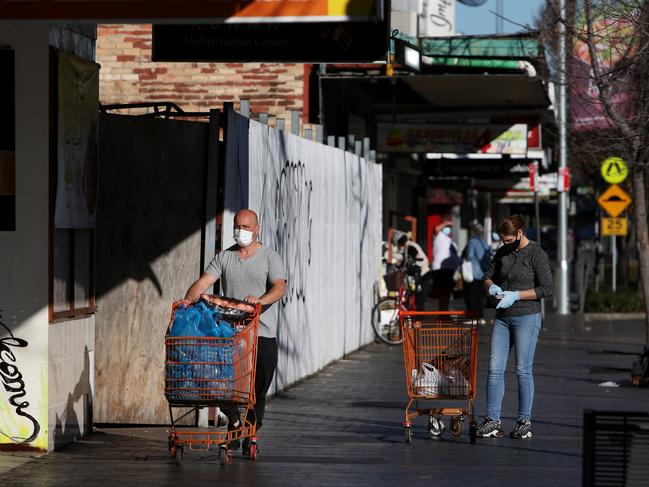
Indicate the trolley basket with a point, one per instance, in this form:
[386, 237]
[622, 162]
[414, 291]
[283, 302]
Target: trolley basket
[440, 351]
[212, 371]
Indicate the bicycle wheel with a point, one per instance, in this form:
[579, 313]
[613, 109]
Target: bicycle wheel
[385, 321]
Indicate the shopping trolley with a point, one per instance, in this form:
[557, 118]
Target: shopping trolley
[212, 371]
[440, 351]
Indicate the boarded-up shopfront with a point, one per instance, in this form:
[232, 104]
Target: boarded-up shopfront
[319, 207]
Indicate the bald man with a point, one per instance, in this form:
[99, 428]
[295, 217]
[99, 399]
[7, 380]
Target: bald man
[252, 272]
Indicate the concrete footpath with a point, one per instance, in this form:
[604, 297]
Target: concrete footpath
[343, 427]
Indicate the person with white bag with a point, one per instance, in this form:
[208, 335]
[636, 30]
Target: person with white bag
[476, 260]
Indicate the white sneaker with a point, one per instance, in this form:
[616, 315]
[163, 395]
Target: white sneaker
[221, 419]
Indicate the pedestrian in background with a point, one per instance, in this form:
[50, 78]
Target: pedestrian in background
[446, 260]
[478, 253]
[518, 278]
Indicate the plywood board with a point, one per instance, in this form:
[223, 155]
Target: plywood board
[148, 249]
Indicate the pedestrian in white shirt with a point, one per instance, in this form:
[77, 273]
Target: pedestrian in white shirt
[446, 260]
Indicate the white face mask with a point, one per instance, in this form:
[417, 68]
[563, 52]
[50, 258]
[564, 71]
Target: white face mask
[243, 237]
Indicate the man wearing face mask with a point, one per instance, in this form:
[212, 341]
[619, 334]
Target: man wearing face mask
[254, 273]
[518, 278]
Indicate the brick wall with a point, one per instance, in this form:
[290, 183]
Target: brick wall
[128, 76]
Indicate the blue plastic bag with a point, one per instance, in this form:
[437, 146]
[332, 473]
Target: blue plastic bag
[201, 364]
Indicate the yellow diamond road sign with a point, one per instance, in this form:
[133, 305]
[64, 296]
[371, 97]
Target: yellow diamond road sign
[614, 170]
[614, 200]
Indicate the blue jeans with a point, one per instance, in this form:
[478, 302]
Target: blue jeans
[521, 332]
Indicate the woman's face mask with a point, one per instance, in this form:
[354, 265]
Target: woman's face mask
[495, 237]
[512, 244]
[447, 231]
[243, 237]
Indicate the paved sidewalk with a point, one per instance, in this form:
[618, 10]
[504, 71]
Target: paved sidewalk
[343, 427]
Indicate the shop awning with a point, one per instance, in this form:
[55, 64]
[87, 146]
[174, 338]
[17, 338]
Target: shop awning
[502, 90]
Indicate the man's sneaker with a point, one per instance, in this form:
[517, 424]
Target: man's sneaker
[490, 428]
[523, 430]
[235, 444]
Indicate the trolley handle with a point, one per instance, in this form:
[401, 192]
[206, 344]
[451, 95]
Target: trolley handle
[250, 316]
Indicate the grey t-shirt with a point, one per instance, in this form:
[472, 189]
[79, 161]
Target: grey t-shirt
[529, 268]
[252, 276]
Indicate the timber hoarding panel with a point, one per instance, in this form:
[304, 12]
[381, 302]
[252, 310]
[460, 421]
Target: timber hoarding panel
[149, 220]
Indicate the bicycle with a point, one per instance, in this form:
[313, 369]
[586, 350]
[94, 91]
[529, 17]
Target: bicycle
[386, 312]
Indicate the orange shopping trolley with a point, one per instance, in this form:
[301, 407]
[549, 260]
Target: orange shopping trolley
[212, 371]
[440, 351]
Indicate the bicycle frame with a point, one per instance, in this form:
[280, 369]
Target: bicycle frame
[406, 294]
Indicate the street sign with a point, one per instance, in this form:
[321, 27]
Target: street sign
[614, 170]
[615, 227]
[563, 181]
[614, 200]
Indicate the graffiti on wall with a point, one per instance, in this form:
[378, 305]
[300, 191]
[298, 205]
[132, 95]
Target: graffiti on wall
[320, 209]
[292, 203]
[12, 380]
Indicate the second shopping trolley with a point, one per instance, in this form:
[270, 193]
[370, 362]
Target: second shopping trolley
[440, 352]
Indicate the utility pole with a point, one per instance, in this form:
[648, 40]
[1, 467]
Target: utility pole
[562, 241]
[500, 12]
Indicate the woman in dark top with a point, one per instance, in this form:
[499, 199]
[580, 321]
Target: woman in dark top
[518, 278]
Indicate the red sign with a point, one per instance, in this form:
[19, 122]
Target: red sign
[534, 136]
[563, 183]
[534, 175]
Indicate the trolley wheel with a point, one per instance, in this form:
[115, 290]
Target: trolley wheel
[435, 426]
[457, 426]
[473, 429]
[252, 454]
[225, 456]
[407, 434]
[179, 455]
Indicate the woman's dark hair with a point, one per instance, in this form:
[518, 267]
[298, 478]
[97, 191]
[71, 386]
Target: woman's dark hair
[402, 241]
[511, 225]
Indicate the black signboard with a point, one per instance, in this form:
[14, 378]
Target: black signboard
[330, 42]
[478, 168]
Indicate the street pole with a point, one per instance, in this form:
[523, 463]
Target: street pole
[499, 16]
[562, 241]
[614, 263]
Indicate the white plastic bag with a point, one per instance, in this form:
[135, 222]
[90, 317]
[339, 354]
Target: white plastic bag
[467, 271]
[429, 381]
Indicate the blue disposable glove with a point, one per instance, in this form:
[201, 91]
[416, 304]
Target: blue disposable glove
[495, 290]
[509, 298]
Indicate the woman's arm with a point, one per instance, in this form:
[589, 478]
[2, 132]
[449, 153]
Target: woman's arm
[543, 275]
[487, 283]
[527, 295]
